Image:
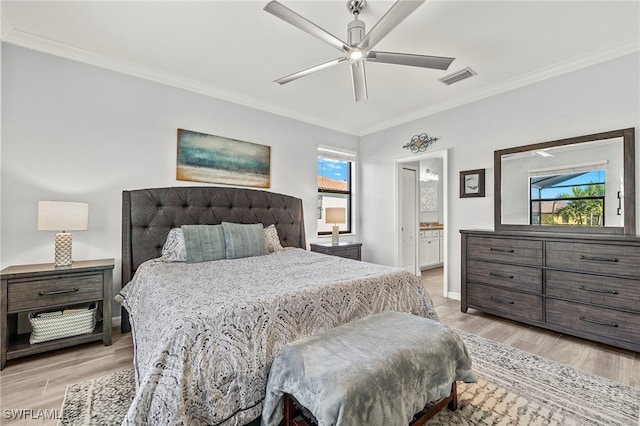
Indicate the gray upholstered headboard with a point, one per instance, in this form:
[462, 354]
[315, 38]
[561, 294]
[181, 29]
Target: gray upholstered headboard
[149, 214]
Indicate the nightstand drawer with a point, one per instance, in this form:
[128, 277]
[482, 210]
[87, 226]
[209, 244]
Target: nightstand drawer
[345, 249]
[348, 252]
[23, 295]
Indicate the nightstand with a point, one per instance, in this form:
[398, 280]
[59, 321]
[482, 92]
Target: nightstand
[343, 249]
[45, 287]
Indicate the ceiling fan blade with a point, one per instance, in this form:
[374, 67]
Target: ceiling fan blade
[359, 81]
[423, 61]
[398, 12]
[288, 15]
[308, 71]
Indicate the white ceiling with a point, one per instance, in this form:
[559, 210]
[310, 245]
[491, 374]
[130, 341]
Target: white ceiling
[234, 50]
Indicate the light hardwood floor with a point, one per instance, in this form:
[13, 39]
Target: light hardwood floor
[39, 382]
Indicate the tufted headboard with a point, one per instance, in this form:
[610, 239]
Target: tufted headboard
[149, 214]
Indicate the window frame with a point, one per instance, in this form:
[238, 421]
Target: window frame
[338, 154]
[560, 171]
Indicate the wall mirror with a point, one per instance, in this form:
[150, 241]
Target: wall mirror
[583, 184]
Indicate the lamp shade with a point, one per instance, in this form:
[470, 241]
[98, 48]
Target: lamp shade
[62, 216]
[335, 215]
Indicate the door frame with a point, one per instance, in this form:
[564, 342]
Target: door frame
[444, 155]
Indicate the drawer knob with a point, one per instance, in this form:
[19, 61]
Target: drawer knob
[495, 274]
[501, 250]
[51, 293]
[593, 290]
[598, 322]
[507, 302]
[599, 259]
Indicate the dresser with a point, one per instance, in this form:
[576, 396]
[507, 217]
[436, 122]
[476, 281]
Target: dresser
[344, 249]
[582, 285]
[45, 287]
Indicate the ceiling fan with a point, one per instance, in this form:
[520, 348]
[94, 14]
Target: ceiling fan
[358, 48]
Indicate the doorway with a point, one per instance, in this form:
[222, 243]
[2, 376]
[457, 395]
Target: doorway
[442, 214]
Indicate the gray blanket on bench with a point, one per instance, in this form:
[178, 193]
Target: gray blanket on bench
[377, 371]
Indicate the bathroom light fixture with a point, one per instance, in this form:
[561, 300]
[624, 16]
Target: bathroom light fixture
[429, 175]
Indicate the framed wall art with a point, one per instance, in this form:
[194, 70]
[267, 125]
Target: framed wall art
[472, 183]
[216, 159]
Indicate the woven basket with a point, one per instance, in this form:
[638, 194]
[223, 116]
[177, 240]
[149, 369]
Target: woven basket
[44, 329]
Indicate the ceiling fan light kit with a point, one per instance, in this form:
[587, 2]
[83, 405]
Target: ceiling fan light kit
[358, 49]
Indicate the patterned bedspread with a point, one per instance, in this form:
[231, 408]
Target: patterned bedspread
[205, 334]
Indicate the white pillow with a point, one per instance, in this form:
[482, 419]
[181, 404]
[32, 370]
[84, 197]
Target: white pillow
[272, 239]
[174, 248]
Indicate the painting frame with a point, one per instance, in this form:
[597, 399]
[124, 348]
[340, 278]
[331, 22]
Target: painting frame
[217, 159]
[472, 183]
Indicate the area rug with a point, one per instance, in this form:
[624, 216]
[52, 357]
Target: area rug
[514, 388]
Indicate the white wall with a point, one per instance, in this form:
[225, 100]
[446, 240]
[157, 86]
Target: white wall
[595, 99]
[74, 132]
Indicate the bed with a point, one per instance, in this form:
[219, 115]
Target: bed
[205, 333]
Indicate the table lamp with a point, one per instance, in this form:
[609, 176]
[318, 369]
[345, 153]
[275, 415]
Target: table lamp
[335, 215]
[63, 216]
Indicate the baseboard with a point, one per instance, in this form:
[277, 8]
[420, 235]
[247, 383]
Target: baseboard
[454, 296]
[116, 321]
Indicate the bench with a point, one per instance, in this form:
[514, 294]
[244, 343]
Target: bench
[388, 369]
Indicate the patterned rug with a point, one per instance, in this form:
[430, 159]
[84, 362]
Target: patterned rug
[514, 388]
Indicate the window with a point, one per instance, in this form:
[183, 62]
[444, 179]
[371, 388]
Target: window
[568, 198]
[335, 187]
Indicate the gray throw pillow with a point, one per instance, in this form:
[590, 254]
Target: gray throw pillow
[204, 243]
[244, 240]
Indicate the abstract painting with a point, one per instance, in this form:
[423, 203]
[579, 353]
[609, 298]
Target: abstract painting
[216, 159]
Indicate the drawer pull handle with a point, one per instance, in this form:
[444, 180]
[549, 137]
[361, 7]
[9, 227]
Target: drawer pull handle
[50, 293]
[495, 274]
[501, 250]
[599, 259]
[598, 291]
[608, 324]
[507, 302]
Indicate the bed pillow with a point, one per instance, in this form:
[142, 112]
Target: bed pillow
[203, 243]
[244, 240]
[272, 239]
[173, 249]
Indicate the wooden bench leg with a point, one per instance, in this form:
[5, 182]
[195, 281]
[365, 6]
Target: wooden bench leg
[453, 404]
[450, 401]
[290, 412]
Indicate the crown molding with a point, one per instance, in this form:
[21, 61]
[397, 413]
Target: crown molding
[44, 45]
[573, 64]
[5, 25]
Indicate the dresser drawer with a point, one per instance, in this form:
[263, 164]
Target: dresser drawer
[509, 276]
[506, 302]
[593, 320]
[523, 252]
[618, 293]
[23, 295]
[583, 257]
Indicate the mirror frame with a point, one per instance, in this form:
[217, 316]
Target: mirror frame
[629, 196]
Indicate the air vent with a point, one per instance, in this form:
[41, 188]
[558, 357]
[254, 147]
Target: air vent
[457, 76]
